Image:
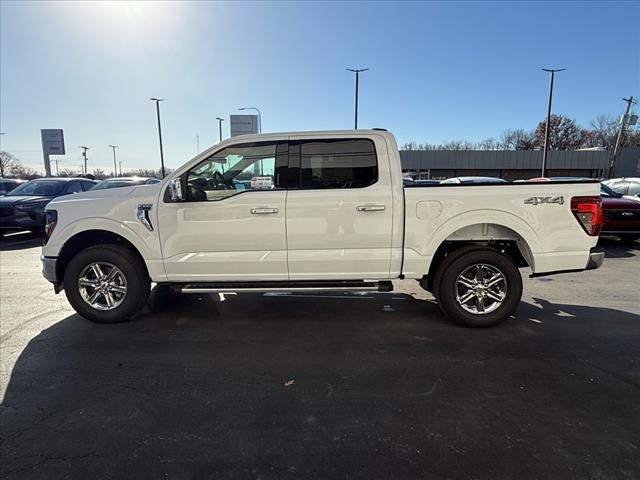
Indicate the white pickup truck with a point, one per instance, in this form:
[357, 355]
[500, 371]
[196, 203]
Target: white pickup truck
[316, 211]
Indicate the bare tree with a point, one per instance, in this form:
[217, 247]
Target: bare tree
[17, 170]
[409, 146]
[518, 139]
[99, 174]
[7, 160]
[603, 131]
[457, 145]
[487, 144]
[148, 172]
[68, 172]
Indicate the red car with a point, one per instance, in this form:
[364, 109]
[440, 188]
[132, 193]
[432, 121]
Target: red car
[621, 215]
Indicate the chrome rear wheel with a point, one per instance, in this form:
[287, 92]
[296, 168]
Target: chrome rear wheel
[481, 289]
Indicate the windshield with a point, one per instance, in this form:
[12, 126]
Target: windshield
[45, 188]
[117, 183]
[607, 192]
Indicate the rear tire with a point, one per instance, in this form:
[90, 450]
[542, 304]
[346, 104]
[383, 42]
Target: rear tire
[478, 287]
[121, 275]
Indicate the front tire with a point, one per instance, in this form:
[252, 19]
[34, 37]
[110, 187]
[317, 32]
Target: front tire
[107, 283]
[478, 287]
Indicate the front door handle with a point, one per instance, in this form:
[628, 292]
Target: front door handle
[263, 210]
[370, 208]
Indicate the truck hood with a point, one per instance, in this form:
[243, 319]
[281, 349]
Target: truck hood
[108, 194]
[610, 203]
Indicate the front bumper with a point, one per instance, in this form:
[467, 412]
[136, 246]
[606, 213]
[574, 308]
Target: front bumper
[50, 271]
[22, 220]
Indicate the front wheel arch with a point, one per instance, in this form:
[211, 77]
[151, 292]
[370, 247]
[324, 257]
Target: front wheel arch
[89, 238]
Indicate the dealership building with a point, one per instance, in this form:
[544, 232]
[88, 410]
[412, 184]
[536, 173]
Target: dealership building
[517, 164]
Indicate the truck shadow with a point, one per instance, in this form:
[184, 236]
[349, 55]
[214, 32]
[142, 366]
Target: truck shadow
[204, 385]
[20, 240]
[615, 248]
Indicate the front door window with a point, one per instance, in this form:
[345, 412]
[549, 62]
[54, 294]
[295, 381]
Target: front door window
[252, 166]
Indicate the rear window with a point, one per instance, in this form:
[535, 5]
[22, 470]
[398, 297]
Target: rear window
[338, 164]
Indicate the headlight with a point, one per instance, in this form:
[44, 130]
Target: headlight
[50, 225]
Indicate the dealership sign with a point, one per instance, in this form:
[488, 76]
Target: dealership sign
[52, 141]
[243, 124]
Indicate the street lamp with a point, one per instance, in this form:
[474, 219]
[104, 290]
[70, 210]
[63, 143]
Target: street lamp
[115, 164]
[259, 116]
[357, 71]
[158, 100]
[220, 120]
[546, 130]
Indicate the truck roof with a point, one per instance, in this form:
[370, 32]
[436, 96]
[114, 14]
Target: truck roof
[310, 133]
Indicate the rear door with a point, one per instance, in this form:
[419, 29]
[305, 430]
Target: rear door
[339, 218]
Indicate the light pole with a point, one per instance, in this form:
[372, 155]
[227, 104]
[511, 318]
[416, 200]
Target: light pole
[357, 71]
[120, 165]
[197, 144]
[616, 149]
[552, 71]
[1, 167]
[84, 155]
[158, 100]
[259, 116]
[220, 120]
[115, 164]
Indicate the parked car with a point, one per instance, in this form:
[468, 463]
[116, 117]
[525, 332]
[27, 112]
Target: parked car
[621, 215]
[124, 182]
[8, 184]
[23, 207]
[410, 181]
[458, 180]
[330, 212]
[629, 186]
[560, 179]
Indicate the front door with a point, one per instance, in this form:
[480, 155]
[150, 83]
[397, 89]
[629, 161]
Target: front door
[231, 226]
[340, 219]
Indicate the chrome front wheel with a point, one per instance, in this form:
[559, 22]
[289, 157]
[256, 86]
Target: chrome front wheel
[481, 289]
[102, 286]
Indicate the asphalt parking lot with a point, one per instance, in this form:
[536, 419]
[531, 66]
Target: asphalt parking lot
[322, 386]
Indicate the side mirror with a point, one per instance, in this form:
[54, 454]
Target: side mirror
[175, 190]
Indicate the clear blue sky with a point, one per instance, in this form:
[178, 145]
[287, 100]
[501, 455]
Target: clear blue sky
[439, 71]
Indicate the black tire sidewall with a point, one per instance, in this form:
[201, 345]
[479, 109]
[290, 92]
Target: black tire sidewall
[138, 283]
[447, 288]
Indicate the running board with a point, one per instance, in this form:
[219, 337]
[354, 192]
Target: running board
[302, 286]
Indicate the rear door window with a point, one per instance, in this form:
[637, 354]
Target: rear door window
[337, 163]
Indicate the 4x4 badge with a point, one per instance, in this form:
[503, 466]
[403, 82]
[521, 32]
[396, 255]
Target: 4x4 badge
[540, 200]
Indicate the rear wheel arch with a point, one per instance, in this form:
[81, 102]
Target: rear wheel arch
[481, 235]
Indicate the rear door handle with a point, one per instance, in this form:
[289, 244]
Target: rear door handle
[263, 210]
[370, 208]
